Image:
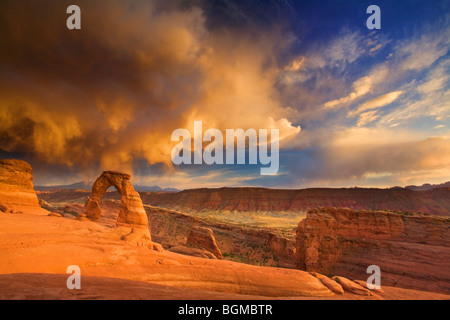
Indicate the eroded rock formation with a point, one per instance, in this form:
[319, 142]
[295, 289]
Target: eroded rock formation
[203, 237]
[351, 286]
[131, 213]
[250, 245]
[195, 252]
[412, 251]
[17, 193]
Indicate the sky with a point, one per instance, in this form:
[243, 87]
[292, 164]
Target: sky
[354, 106]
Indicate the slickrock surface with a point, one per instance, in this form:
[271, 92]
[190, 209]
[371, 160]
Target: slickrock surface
[16, 188]
[35, 252]
[412, 251]
[44, 244]
[195, 252]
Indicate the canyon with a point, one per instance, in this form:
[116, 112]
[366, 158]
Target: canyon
[221, 243]
[412, 251]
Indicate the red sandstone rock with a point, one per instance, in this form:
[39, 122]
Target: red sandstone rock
[436, 201]
[172, 228]
[203, 237]
[281, 247]
[157, 247]
[44, 204]
[73, 208]
[131, 212]
[351, 286]
[131, 215]
[412, 251]
[364, 285]
[3, 208]
[54, 214]
[195, 252]
[311, 258]
[16, 187]
[329, 283]
[332, 285]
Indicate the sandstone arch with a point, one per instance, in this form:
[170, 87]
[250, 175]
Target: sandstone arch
[132, 213]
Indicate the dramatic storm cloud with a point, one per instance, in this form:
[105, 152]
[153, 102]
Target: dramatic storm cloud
[353, 106]
[115, 90]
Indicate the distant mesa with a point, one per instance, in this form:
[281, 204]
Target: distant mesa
[252, 199]
[85, 186]
[427, 186]
[132, 213]
[154, 189]
[17, 193]
[74, 186]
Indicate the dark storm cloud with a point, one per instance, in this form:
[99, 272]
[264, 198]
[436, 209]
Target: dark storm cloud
[108, 96]
[112, 93]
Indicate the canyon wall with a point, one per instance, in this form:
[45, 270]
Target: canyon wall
[244, 244]
[412, 251]
[434, 202]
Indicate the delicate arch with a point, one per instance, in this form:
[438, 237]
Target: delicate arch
[132, 212]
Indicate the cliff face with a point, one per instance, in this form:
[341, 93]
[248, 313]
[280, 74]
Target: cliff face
[16, 187]
[435, 202]
[412, 251]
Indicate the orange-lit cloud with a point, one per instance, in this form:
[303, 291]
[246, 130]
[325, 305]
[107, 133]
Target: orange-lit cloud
[361, 87]
[377, 102]
[110, 94]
